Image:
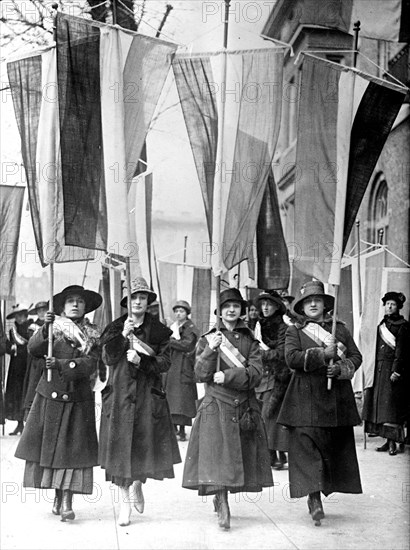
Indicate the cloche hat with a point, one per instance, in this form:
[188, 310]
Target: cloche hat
[92, 299]
[182, 303]
[39, 305]
[313, 288]
[233, 295]
[273, 297]
[139, 285]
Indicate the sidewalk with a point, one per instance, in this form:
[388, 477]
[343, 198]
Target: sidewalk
[178, 518]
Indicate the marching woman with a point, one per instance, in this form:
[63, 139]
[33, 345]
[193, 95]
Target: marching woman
[137, 439]
[59, 442]
[35, 365]
[322, 452]
[386, 402]
[16, 347]
[180, 382]
[227, 449]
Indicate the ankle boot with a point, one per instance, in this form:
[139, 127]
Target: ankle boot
[217, 504]
[273, 458]
[392, 448]
[181, 433]
[138, 496]
[224, 514]
[125, 507]
[315, 506]
[67, 505]
[57, 502]
[18, 430]
[383, 448]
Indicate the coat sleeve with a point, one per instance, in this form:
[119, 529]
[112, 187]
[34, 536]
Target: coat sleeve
[353, 360]
[205, 361]
[186, 344]
[249, 377]
[38, 343]
[159, 363]
[401, 355]
[79, 367]
[297, 358]
[114, 349]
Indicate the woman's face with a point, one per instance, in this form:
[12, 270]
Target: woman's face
[21, 317]
[139, 303]
[253, 312]
[231, 311]
[390, 307]
[74, 306]
[41, 313]
[181, 314]
[314, 307]
[268, 308]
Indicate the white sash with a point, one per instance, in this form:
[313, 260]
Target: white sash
[387, 336]
[140, 347]
[72, 332]
[258, 335]
[321, 336]
[175, 331]
[231, 355]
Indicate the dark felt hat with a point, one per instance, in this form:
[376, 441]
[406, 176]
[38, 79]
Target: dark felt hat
[273, 297]
[18, 308]
[313, 288]
[182, 303]
[139, 285]
[233, 295]
[39, 305]
[397, 297]
[92, 299]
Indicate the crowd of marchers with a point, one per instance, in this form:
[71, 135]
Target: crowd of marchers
[277, 375]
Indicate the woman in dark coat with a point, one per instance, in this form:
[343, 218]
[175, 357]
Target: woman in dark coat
[59, 442]
[137, 439]
[322, 452]
[227, 449]
[16, 347]
[385, 403]
[276, 376]
[179, 381]
[35, 365]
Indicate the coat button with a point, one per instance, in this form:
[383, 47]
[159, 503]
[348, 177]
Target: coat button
[234, 419]
[72, 364]
[236, 402]
[65, 397]
[54, 395]
[237, 336]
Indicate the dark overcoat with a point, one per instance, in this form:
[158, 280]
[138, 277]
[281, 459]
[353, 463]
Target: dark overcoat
[16, 373]
[35, 366]
[308, 402]
[137, 439]
[387, 401]
[220, 453]
[179, 381]
[60, 432]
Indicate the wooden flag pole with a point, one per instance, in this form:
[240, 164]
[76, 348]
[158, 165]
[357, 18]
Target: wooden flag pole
[50, 326]
[185, 243]
[359, 282]
[128, 283]
[329, 380]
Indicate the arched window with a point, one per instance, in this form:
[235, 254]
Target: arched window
[378, 210]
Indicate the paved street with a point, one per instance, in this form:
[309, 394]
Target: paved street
[178, 518]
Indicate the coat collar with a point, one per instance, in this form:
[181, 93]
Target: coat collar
[240, 327]
[328, 320]
[395, 319]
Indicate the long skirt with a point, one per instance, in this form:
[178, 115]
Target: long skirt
[77, 480]
[323, 459]
[278, 435]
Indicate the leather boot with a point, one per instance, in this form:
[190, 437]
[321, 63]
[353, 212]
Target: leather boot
[125, 507]
[315, 507]
[383, 448]
[67, 505]
[19, 429]
[57, 502]
[138, 496]
[217, 504]
[224, 514]
[182, 434]
[273, 457]
[392, 448]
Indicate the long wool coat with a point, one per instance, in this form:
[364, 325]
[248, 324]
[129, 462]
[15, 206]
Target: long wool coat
[60, 432]
[16, 374]
[179, 381]
[220, 454]
[322, 453]
[387, 401]
[137, 439]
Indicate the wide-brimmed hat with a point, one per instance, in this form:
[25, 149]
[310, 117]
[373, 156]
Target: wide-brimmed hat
[92, 299]
[18, 308]
[273, 297]
[232, 295]
[39, 305]
[183, 304]
[397, 297]
[313, 288]
[139, 285]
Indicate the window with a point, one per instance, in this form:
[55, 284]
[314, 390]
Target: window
[378, 210]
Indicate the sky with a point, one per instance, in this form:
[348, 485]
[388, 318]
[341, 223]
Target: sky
[196, 26]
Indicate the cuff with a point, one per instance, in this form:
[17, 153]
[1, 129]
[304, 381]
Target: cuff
[314, 359]
[347, 369]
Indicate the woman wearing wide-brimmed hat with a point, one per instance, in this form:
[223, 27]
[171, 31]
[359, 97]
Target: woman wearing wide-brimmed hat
[35, 365]
[322, 452]
[16, 347]
[59, 442]
[179, 381]
[385, 406]
[137, 439]
[276, 377]
[227, 448]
